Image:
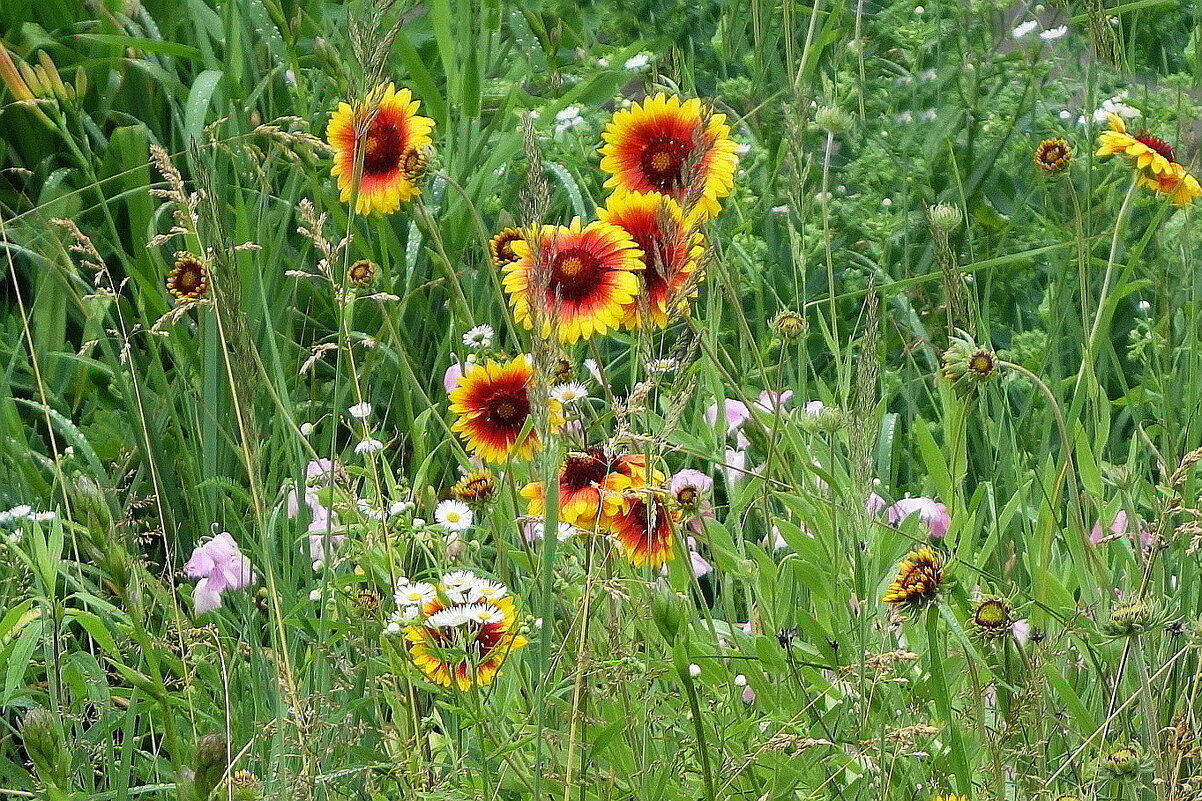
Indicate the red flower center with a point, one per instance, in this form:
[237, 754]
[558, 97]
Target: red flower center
[584, 469]
[509, 408]
[189, 279]
[1157, 144]
[383, 149]
[574, 274]
[663, 161]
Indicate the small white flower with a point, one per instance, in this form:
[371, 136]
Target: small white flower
[419, 522]
[822, 197]
[637, 62]
[5, 517]
[369, 446]
[485, 590]
[447, 618]
[593, 370]
[567, 113]
[419, 592]
[534, 114]
[406, 614]
[399, 507]
[740, 680]
[930, 115]
[459, 580]
[603, 62]
[315, 595]
[742, 149]
[306, 429]
[479, 337]
[569, 392]
[1054, 33]
[360, 410]
[919, 10]
[566, 125]
[20, 511]
[1065, 114]
[46, 517]
[928, 75]
[453, 515]
[484, 613]
[1143, 306]
[666, 365]
[393, 627]
[904, 117]
[1023, 29]
[367, 510]
[887, 202]
[694, 670]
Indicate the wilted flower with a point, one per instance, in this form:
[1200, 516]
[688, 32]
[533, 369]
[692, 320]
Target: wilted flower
[476, 487]
[992, 618]
[362, 273]
[966, 365]
[945, 217]
[789, 324]
[917, 581]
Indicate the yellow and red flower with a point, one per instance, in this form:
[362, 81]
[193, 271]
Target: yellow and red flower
[492, 403]
[917, 581]
[589, 274]
[189, 278]
[645, 527]
[591, 487]
[461, 640]
[1153, 158]
[500, 247]
[672, 251]
[385, 131]
[683, 150]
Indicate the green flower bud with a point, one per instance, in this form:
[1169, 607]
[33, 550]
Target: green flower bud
[833, 120]
[42, 735]
[945, 217]
[212, 759]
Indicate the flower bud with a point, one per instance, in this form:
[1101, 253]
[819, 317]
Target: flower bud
[833, 120]
[789, 325]
[667, 611]
[212, 758]
[945, 217]
[42, 735]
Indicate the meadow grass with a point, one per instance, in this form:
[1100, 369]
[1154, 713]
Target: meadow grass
[940, 401]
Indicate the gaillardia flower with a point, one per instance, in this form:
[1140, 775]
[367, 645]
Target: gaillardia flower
[1154, 160]
[464, 633]
[492, 403]
[591, 484]
[917, 580]
[590, 279]
[680, 149]
[189, 278]
[500, 247]
[671, 248]
[477, 487]
[1053, 155]
[992, 618]
[644, 528]
[391, 138]
[362, 273]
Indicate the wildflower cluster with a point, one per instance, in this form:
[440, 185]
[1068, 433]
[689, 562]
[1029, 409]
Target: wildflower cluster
[459, 630]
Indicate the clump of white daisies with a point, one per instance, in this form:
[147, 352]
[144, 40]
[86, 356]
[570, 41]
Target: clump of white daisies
[458, 598]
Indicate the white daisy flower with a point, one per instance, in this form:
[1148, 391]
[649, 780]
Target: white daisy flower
[447, 618]
[367, 510]
[1054, 33]
[369, 446]
[567, 113]
[458, 580]
[418, 592]
[661, 366]
[1024, 29]
[569, 392]
[43, 517]
[360, 410]
[406, 614]
[399, 507]
[637, 62]
[479, 337]
[485, 590]
[453, 515]
[20, 511]
[484, 613]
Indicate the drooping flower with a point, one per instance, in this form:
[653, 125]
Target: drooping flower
[591, 483]
[492, 404]
[672, 252]
[644, 528]
[590, 280]
[689, 490]
[464, 633]
[932, 514]
[683, 150]
[1154, 160]
[220, 566]
[476, 487]
[390, 138]
[917, 580]
[500, 247]
[189, 278]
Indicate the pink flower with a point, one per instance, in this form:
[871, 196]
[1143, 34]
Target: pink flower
[736, 413]
[697, 561]
[774, 402]
[1021, 629]
[932, 514]
[220, 566]
[1118, 526]
[450, 379]
[748, 695]
[875, 504]
[814, 408]
[734, 467]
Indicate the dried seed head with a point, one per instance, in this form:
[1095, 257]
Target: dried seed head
[789, 325]
[362, 273]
